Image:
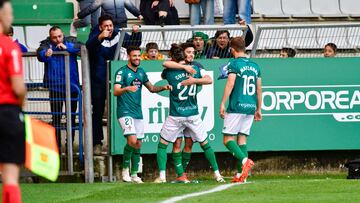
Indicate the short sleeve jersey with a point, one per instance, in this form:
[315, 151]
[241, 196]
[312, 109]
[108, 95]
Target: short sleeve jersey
[10, 65]
[183, 100]
[129, 103]
[243, 96]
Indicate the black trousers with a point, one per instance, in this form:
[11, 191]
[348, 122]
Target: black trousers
[57, 101]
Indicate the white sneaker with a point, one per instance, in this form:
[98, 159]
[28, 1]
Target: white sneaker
[73, 31]
[159, 180]
[125, 175]
[219, 179]
[136, 179]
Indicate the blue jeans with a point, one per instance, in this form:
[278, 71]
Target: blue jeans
[233, 7]
[207, 7]
[93, 18]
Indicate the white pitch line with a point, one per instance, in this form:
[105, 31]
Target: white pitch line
[216, 189]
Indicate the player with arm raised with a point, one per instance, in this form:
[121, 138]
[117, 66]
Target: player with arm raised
[243, 89]
[128, 83]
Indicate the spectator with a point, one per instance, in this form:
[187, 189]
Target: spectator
[199, 40]
[287, 52]
[86, 20]
[22, 47]
[102, 45]
[220, 47]
[113, 8]
[233, 7]
[207, 8]
[159, 12]
[330, 50]
[152, 52]
[54, 76]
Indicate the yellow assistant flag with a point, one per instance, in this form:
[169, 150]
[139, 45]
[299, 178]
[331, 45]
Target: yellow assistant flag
[42, 154]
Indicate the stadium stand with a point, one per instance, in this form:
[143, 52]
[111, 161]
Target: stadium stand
[298, 9]
[269, 8]
[350, 7]
[327, 8]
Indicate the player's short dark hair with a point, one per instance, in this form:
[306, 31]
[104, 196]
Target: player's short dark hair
[151, 45]
[53, 28]
[290, 51]
[220, 32]
[2, 2]
[105, 18]
[176, 53]
[238, 44]
[187, 45]
[332, 46]
[132, 48]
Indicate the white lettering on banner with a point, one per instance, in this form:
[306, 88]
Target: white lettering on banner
[312, 101]
[156, 107]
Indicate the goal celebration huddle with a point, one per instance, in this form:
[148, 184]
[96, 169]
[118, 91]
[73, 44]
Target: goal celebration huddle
[242, 94]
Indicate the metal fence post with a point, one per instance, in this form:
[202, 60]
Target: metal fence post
[88, 137]
[68, 115]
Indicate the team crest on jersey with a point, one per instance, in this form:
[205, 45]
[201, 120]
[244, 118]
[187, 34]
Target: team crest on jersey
[129, 75]
[118, 78]
[136, 82]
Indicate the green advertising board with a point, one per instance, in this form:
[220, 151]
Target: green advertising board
[308, 104]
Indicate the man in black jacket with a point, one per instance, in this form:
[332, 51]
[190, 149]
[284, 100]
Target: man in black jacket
[102, 44]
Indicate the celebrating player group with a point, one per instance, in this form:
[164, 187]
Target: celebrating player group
[184, 76]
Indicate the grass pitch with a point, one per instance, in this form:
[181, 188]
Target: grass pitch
[304, 188]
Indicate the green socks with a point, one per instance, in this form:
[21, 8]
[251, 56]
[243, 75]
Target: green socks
[135, 159]
[239, 163]
[128, 151]
[235, 150]
[210, 156]
[161, 156]
[178, 164]
[186, 156]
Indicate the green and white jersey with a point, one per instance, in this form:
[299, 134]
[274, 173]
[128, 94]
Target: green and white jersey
[129, 103]
[243, 96]
[183, 100]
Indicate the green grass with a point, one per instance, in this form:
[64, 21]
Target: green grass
[304, 188]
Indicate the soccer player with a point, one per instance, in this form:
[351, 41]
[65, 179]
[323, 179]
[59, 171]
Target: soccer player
[184, 116]
[13, 90]
[128, 84]
[244, 89]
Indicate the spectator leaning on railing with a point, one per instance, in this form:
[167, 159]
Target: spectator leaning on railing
[54, 76]
[102, 44]
[152, 52]
[200, 39]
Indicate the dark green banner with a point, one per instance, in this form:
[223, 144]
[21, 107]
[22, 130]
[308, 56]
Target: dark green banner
[309, 104]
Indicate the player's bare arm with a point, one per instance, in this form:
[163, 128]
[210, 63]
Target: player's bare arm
[155, 89]
[175, 65]
[18, 86]
[118, 90]
[205, 80]
[227, 91]
[258, 115]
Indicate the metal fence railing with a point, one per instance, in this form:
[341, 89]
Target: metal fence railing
[165, 36]
[58, 102]
[308, 39]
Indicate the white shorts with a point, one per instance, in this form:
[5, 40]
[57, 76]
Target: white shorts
[237, 124]
[175, 127]
[132, 126]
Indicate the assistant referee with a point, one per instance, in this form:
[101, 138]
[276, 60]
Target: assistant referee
[12, 93]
